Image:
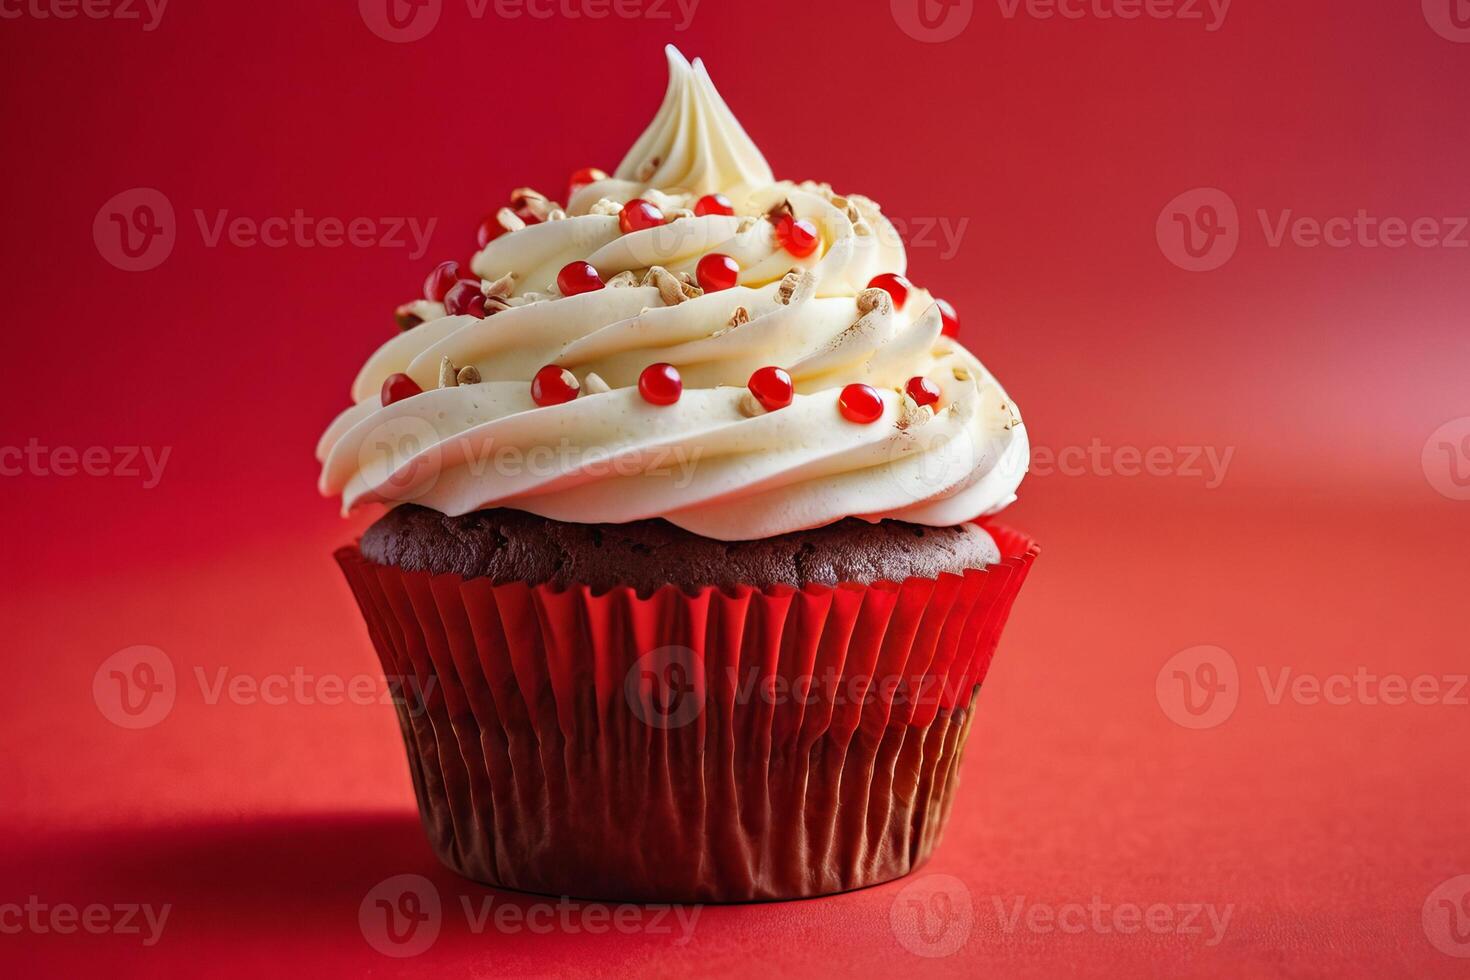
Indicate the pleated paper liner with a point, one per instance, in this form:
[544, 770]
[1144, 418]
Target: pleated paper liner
[716, 746]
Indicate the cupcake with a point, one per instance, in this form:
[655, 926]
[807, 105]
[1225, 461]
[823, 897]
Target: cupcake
[686, 583]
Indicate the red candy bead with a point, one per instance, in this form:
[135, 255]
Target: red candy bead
[583, 177]
[714, 204]
[860, 403]
[772, 387]
[922, 391]
[466, 298]
[397, 387]
[490, 229]
[638, 215]
[660, 384]
[797, 236]
[716, 272]
[440, 281]
[894, 285]
[950, 317]
[554, 385]
[578, 277]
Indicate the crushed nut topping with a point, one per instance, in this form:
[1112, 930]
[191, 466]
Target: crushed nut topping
[678, 213]
[740, 317]
[750, 407]
[594, 385]
[468, 375]
[874, 299]
[962, 374]
[501, 287]
[796, 284]
[672, 289]
[911, 413]
[624, 278]
[606, 206]
[448, 373]
[509, 220]
[648, 169]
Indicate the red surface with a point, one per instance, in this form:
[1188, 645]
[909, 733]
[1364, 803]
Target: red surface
[1323, 371]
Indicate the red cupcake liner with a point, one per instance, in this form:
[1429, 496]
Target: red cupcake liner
[712, 746]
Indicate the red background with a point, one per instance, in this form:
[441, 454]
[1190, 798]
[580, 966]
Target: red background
[1324, 549]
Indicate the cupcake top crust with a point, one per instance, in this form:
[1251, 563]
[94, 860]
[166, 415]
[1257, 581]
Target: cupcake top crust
[687, 339]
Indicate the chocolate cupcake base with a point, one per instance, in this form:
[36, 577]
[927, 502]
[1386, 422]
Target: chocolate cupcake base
[710, 744]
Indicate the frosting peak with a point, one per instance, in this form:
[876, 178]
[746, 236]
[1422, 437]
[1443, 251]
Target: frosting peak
[695, 143]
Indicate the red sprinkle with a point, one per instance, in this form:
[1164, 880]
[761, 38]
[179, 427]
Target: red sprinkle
[716, 272]
[490, 229]
[639, 215]
[554, 385]
[660, 384]
[578, 277]
[922, 391]
[894, 285]
[466, 298]
[440, 281]
[714, 204]
[397, 387]
[772, 387]
[797, 236]
[583, 177]
[950, 317]
[860, 403]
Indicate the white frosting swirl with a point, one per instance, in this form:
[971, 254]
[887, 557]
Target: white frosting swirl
[712, 462]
